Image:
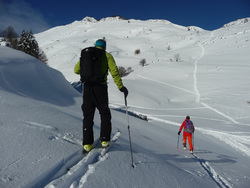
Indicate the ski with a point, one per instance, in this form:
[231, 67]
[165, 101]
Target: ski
[104, 150]
[98, 150]
[113, 140]
[95, 144]
[84, 153]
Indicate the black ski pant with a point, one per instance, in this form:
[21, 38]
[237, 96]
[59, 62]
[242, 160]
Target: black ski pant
[96, 97]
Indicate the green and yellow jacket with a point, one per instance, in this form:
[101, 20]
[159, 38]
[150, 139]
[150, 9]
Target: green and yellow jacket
[108, 63]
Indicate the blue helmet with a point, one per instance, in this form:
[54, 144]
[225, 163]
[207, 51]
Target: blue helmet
[100, 43]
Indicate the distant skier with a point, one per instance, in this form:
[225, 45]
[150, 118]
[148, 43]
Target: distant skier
[93, 68]
[187, 133]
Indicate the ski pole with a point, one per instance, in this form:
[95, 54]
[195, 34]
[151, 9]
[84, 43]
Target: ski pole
[178, 141]
[129, 132]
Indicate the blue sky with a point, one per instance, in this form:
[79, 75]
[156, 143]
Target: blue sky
[41, 15]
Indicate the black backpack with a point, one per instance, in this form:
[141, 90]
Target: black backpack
[90, 64]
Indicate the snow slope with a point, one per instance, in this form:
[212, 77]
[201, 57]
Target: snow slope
[40, 120]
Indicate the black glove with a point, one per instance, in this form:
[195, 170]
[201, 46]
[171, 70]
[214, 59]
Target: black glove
[179, 132]
[125, 91]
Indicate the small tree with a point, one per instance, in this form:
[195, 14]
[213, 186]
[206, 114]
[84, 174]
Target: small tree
[42, 56]
[10, 36]
[143, 62]
[137, 51]
[29, 45]
[123, 72]
[9, 33]
[177, 57]
[129, 69]
[23, 44]
[34, 48]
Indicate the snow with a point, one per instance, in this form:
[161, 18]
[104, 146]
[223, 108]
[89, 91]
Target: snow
[41, 118]
[3, 42]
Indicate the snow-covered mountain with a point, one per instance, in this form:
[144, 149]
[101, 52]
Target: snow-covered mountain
[189, 71]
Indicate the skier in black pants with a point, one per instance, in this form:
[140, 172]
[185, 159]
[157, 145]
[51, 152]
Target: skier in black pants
[96, 96]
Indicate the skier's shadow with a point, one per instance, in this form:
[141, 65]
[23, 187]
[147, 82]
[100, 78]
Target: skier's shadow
[199, 154]
[220, 158]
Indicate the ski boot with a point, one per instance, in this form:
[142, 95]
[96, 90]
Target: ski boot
[88, 147]
[106, 144]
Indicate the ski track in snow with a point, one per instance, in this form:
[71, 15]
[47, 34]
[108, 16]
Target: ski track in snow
[237, 140]
[195, 74]
[196, 88]
[77, 175]
[54, 131]
[219, 180]
[164, 83]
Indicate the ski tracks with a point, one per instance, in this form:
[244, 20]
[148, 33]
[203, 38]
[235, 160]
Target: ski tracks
[196, 87]
[77, 175]
[54, 132]
[195, 74]
[220, 181]
[164, 83]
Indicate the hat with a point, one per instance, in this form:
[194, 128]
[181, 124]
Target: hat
[100, 43]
